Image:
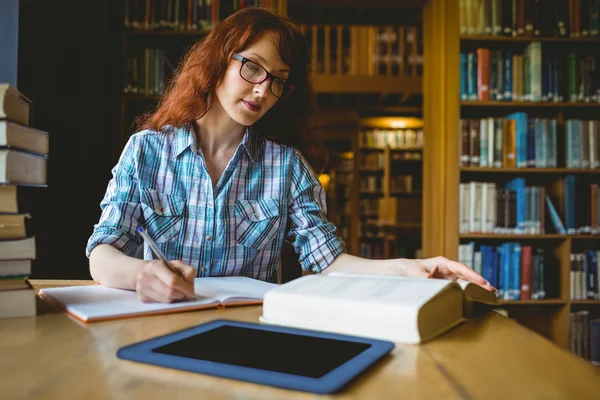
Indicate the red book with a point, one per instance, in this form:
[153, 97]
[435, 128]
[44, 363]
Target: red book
[525, 272]
[483, 74]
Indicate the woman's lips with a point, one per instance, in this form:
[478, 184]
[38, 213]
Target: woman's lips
[252, 106]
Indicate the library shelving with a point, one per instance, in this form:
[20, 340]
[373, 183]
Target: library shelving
[443, 110]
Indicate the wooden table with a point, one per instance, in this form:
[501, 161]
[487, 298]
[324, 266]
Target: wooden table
[54, 356]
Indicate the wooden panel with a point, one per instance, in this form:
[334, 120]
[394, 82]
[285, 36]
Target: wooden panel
[366, 84]
[441, 115]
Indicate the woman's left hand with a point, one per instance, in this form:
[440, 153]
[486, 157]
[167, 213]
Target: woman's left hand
[443, 268]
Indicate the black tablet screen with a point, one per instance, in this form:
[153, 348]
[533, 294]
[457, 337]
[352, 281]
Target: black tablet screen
[274, 351]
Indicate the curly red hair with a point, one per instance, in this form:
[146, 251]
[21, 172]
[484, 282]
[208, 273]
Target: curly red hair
[188, 95]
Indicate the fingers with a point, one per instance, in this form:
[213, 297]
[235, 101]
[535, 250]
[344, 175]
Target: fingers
[454, 270]
[156, 282]
[173, 280]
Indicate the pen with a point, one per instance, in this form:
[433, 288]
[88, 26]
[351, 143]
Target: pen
[157, 251]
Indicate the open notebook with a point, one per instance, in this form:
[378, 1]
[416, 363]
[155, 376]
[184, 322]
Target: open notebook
[100, 303]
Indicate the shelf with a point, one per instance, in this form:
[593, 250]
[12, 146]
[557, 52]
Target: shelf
[141, 33]
[590, 302]
[527, 39]
[367, 84]
[492, 236]
[531, 104]
[140, 97]
[548, 302]
[406, 194]
[532, 170]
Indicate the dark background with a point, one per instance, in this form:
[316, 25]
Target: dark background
[68, 65]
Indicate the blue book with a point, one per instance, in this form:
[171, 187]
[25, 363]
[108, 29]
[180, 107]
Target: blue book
[507, 76]
[518, 186]
[558, 225]
[531, 143]
[464, 93]
[506, 275]
[569, 193]
[592, 257]
[500, 276]
[515, 267]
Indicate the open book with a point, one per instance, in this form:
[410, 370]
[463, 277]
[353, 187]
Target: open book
[400, 309]
[99, 303]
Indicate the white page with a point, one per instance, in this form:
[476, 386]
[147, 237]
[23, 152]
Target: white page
[377, 289]
[232, 288]
[92, 302]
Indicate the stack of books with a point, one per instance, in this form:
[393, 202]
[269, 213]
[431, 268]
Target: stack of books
[23, 162]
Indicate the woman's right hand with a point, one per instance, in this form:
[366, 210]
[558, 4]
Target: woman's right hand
[157, 283]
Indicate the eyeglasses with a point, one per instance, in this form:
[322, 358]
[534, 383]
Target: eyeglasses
[255, 73]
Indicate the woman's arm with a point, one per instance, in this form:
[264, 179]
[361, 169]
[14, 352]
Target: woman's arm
[437, 267]
[113, 268]
[153, 280]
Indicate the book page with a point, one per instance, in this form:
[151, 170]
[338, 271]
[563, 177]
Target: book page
[373, 288]
[96, 302]
[101, 302]
[232, 289]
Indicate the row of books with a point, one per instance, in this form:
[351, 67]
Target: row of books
[585, 336]
[146, 72]
[584, 277]
[384, 50]
[23, 151]
[515, 270]
[534, 76]
[520, 209]
[547, 18]
[391, 138]
[372, 160]
[186, 15]
[517, 141]
[402, 184]
[368, 207]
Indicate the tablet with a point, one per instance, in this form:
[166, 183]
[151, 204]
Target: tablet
[290, 358]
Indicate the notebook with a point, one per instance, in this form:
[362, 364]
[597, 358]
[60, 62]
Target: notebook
[101, 303]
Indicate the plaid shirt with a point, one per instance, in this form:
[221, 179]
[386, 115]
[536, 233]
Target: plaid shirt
[266, 193]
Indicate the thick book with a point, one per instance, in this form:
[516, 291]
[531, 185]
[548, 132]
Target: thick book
[21, 167]
[23, 137]
[400, 309]
[17, 299]
[23, 249]
[13, 105]
[100, 303]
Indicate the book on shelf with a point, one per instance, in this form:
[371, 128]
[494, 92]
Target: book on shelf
[584, 276]
[541, 73]
[14, 105]
[17, 298]
[400, 309]
[197, 15]
[517, 271]
[100, 303]
[530, 18]
[595, 342]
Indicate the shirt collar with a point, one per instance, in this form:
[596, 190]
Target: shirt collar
[185, 137]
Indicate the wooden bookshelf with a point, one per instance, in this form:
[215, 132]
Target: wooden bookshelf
[530, 170]
[527, 39]
[527, 104]
[442, 110]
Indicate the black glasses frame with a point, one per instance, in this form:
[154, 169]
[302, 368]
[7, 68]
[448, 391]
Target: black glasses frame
[268, 75]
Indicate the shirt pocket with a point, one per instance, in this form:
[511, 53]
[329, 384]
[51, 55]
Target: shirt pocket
[163, 214]
[258, 222]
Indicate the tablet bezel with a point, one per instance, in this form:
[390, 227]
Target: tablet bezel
[328, 383]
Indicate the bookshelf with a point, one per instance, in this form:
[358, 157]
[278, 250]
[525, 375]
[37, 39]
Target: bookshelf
[443, 172]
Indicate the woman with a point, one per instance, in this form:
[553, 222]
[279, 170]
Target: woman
[218, 176]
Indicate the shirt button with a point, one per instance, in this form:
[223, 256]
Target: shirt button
[207, 237]
[161, 210]
[256, 215]
[209, 205]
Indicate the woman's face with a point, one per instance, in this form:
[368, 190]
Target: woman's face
[246, 102]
